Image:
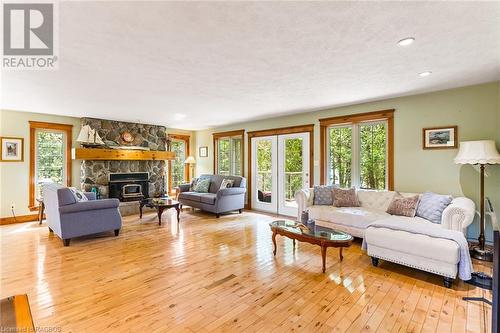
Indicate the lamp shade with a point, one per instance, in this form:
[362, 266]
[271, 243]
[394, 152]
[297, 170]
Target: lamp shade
[477, 152]
[190, 160]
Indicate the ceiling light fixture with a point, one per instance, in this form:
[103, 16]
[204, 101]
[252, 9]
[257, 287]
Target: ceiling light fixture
[425, 74]
[406, 41]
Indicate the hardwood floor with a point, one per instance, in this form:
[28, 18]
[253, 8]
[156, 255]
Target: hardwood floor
[220, 275]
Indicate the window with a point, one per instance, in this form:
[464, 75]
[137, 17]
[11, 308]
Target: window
[357, 150]
[178, 171]
[228, 148]
[50, 158]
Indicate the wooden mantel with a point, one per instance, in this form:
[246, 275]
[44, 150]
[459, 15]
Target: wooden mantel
[97, 154]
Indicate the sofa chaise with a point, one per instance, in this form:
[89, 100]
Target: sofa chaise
[68, 218]
[435, 255]
[217, 200]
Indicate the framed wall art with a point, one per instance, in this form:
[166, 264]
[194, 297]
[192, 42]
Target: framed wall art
[445, 137]
[12, 149]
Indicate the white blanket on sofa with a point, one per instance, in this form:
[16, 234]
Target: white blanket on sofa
[465, 263]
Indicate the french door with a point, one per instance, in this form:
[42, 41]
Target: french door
[280, 167]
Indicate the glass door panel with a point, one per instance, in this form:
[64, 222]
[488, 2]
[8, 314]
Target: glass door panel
[264, 173]
[293, 170]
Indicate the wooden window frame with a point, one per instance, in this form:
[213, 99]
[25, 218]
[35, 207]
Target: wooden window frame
[382, 115]
[186, 139]
[227, 134]
[309, 128]
[39, 125]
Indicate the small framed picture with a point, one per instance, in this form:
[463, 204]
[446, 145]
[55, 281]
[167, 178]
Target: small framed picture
[12, 149]
[440, 137]
[203, 151]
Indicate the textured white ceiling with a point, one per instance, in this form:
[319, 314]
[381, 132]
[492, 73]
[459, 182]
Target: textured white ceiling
[216, 63]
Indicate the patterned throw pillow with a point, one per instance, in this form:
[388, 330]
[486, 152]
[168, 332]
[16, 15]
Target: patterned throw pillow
[345, 197]
[193, 184]
[226, 183]
[202, 185]
[323, 195]
[403, 206]
[79, 195]
[432, 205]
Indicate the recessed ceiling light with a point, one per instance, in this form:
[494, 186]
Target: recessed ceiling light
[406, 41]
[424, 74]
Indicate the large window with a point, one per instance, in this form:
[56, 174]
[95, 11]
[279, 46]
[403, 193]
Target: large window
[50, 159]
[228, 148]
[357, 150]
[178, 171]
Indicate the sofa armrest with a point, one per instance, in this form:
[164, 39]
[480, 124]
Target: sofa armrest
[184, 187]
[231, 191]
[89, 205]
[90, 195]
[304, 199]
[459, 214]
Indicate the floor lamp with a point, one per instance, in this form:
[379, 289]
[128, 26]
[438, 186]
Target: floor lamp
[191, 161]
[480, 153]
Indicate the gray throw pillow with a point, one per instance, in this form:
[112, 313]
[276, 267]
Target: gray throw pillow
[202, 185]
[403, 206]
[323, 195]
[345, 197]
[432, 205]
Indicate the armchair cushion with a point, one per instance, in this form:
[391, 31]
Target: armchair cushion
[89, 205]
[192, 196]
[208, 198]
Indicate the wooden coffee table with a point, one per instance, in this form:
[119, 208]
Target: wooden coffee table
[160, 204]
[322, 236]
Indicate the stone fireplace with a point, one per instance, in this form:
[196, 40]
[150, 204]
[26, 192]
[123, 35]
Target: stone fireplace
[97, 173]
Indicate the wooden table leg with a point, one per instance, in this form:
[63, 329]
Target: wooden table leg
[323, 257]
[340, 252]
[178, 213]
[274, 242]
[140, 209]
[160, 211]
[41, 210]
[294, 243]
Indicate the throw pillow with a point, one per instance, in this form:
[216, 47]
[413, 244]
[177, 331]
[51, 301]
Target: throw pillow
[79, 195]
[226, 183]
[432, 205]
[193, 184]
[323, 195]
[403, 206]
[202, 185]
[345, 197]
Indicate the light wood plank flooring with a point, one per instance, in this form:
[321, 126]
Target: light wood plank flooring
[219, 275]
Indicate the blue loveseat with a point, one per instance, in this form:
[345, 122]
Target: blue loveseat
[216, 200]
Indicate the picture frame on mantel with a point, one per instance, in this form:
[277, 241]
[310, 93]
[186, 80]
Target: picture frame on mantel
[203, 151]
[444, 137]
[11, 149]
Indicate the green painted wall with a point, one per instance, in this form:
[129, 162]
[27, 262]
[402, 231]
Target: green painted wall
[475, 109]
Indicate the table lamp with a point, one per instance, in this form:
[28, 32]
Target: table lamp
[191, 161]
[480, 153]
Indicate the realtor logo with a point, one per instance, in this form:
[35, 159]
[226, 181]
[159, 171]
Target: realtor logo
[28, 36]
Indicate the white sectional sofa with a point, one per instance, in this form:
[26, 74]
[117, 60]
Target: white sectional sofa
[435, 255]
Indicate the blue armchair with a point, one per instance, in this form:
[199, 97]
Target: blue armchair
[68, 218]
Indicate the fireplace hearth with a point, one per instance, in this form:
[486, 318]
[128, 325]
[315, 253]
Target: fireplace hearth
[129, 186]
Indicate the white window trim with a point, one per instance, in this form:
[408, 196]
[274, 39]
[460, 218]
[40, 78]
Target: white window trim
[355, 149]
